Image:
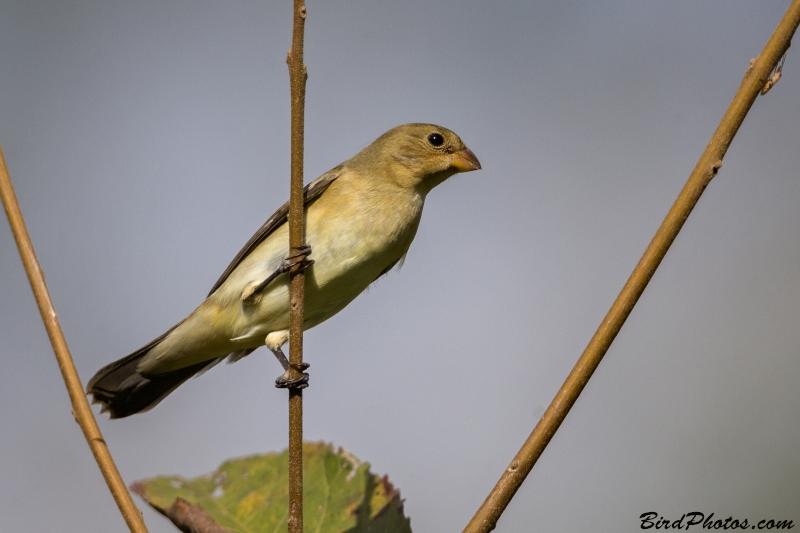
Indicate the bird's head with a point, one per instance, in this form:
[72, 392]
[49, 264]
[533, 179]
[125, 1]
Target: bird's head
[418, 156]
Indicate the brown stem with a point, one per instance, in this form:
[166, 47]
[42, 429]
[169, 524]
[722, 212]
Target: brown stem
[80, 405]
[297, 81]
[188, 517]
[754, 80]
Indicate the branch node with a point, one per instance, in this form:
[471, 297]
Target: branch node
[776, 75]
[771, 82]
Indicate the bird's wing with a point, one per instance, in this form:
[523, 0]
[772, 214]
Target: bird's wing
[311, 191]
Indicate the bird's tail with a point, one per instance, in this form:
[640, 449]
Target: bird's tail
[122, 391]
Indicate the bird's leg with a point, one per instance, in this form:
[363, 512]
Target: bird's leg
[284, 381]
[297, 259]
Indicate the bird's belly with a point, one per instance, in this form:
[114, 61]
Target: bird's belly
[342, 272]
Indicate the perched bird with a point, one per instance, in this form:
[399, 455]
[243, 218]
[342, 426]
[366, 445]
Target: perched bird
[361, 217]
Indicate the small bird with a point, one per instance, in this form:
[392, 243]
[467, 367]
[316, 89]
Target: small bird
[361, 217]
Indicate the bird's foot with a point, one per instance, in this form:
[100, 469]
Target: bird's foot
[252, 294]
[285, 381]
[303, 251]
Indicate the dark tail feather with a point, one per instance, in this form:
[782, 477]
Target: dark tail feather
[122, 391]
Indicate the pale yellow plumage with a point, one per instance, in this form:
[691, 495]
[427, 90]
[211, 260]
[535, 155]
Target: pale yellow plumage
[361, 224]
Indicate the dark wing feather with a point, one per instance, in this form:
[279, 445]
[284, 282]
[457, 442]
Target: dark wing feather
[311, 191]
[123, 391]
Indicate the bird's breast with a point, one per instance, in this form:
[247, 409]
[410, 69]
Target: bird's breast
[353, 242]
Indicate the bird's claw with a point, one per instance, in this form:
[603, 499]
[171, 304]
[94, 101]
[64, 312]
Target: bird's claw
[303, 251]
[300, 382]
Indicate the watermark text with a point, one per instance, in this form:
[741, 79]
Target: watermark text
[699, 520]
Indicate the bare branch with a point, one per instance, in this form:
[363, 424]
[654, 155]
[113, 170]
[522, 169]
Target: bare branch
[297, 81]
[80, 405]
[755, 78]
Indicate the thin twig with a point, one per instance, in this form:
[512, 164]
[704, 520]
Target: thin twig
[755, 77]
[80, 405]
[297, 81]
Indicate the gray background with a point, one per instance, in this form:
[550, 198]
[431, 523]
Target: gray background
[148, 140]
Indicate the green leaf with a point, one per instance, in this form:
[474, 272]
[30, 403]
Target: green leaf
[251, 495]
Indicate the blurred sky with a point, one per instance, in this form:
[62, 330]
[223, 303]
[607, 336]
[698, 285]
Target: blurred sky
[148, 140]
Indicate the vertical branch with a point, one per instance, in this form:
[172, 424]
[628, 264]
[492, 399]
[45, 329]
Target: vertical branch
[80, 405]
[754, 81]
[297, 81]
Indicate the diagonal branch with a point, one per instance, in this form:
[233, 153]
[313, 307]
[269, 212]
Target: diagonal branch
[80, 405]
[755, 78]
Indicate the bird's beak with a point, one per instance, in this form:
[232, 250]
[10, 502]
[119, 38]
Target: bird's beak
[464, 160]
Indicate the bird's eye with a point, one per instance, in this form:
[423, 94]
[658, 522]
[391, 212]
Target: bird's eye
[436, 139]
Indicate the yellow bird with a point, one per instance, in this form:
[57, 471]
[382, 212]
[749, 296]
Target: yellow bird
[361, 217]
